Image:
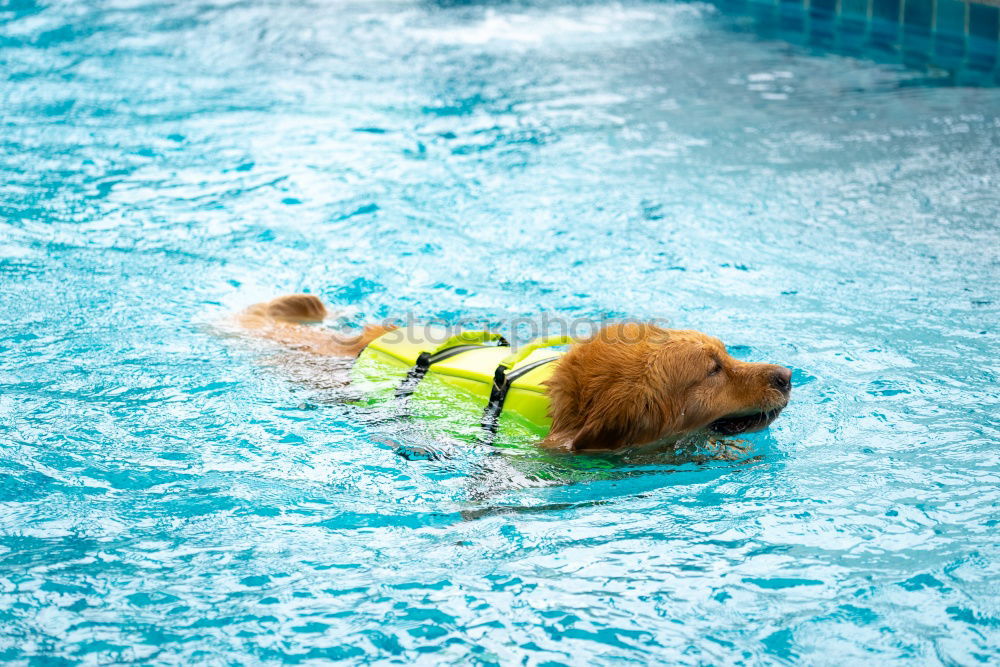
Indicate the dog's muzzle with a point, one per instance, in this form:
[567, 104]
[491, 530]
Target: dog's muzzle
[744, 423]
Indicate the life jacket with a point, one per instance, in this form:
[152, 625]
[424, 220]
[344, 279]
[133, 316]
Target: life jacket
[471, 382]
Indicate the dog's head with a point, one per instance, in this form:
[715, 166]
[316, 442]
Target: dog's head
[636, 384]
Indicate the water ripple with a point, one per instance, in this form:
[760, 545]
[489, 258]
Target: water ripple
[170, 494]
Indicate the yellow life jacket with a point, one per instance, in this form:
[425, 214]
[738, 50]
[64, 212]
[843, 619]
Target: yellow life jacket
[471, 381]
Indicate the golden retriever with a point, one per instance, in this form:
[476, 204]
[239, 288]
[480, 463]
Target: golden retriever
[629, 385]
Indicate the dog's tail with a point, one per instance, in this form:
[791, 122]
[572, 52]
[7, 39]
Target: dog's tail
[284, 320]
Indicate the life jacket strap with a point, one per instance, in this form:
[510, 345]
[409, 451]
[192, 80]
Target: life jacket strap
[503, 378]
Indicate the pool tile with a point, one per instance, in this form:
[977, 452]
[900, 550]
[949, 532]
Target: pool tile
[916, 45]
[951, 34]
[822, 8]
[918, 13]
[858, 8]
[983, 21]
[981, 54]
[791, 16]
[950, 47]
[823, 34]
[734, 5]
[823, 28]
[949, 17]
[887, 10]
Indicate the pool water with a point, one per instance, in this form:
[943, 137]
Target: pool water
[171, 493]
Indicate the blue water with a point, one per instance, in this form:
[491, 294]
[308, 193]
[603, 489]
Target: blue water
[171, 493]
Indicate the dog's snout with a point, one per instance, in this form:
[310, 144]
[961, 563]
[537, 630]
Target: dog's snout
[781, 379]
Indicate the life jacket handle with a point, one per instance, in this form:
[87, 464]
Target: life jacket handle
[470, 338]
[515, 358]
[461, 342]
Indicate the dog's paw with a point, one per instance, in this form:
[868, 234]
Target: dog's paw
[296, 308]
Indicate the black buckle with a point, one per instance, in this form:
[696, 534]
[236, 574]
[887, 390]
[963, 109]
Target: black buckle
[503, 378]
[498, 394]
[414, 376]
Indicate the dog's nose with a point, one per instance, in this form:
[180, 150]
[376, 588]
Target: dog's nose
[781, 378]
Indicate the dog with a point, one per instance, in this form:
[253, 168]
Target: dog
[632, 385]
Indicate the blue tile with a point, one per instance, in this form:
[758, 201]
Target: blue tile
[825, 41]
[822, 32]
[822, 27]
[883, 35]
[916, 58]
[851, 26]
[733, 6]
[856, 8]
[791, 23]
[916, 45]
[852, 35]
[950, 17]
[980, 61]
[983, 21]
[949, 45]
[822, 7]
[918, 13]
[792, 15]
[917, 33]
[967, 76]
[887, 10]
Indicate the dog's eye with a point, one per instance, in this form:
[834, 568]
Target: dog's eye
[716, 369]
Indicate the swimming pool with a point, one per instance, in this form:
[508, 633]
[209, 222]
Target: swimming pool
[174, 495]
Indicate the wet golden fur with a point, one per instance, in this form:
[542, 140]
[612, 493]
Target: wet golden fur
[635, 384]
[631, 384]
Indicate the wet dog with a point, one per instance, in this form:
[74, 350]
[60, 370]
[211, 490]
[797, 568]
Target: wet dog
[630, 385]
